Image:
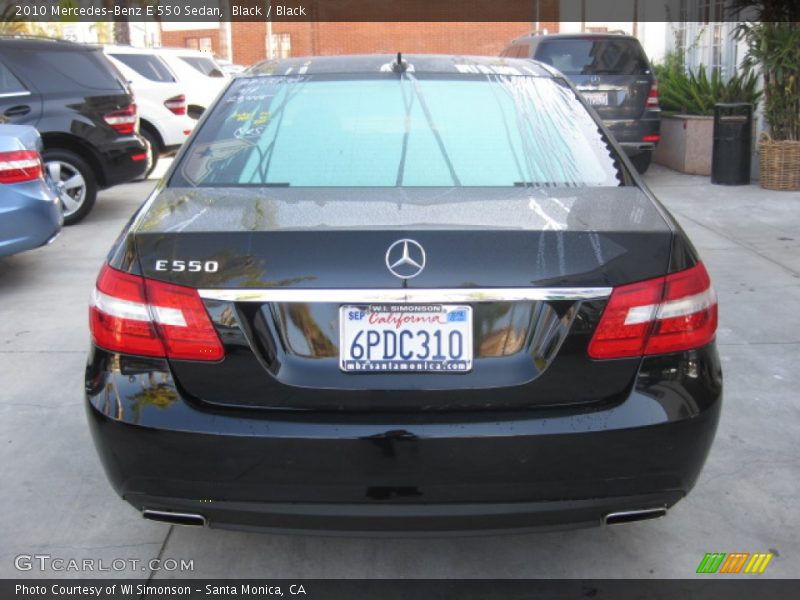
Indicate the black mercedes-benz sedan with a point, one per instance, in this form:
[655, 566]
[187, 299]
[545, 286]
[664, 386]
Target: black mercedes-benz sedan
[395, 294]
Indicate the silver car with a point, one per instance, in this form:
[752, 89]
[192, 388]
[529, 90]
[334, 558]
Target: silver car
[31, 213]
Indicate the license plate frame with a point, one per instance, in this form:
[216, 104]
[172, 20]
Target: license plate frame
[447, 353]
[596, 98]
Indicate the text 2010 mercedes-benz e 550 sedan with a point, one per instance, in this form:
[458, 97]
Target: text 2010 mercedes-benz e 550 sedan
[402, 294]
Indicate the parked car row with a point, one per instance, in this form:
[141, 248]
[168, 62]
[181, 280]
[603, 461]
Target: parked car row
[105, 122]
[105, 114]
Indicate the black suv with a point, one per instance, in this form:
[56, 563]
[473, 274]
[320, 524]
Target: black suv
[613, 74]
[83, 110]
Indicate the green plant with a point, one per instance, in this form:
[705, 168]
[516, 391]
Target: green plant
[774, 49]
[695, 93]
[771, 31]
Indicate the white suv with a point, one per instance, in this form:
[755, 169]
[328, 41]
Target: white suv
[198, 73]
[160, 98]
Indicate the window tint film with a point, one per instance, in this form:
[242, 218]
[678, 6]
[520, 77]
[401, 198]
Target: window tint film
[204, 65]
[67, 69]
[480, 130]
[606, 56]
[146, 65]
[9, 84]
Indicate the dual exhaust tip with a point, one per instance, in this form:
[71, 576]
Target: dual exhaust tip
[198, 520]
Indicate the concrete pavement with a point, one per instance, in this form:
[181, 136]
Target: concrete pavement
[57, 500]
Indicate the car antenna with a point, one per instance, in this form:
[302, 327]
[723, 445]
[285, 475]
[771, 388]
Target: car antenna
[400, 65]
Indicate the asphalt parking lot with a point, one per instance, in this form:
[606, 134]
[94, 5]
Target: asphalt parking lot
[57, 502]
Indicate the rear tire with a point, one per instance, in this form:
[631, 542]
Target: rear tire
[153, 152]
[642, 161]
[74, 181]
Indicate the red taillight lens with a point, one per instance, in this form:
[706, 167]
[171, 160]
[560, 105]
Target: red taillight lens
[20, 165]
[651, 138]
[125, 120]
[652, 96]
[176, 104]
[134, 315]
[667, 314]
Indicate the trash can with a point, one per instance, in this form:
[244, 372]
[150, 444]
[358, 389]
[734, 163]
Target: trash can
[733, 139]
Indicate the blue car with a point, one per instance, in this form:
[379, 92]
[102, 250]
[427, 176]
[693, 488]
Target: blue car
[30, 211]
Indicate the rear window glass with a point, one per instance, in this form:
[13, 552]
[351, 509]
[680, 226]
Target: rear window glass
[61, 71]
[86, 69]
[607, 56]
[204, 65]
[9, 84]
[388, 131]
[146, 65]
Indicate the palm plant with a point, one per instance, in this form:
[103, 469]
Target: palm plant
[771, 31]
[695, 92]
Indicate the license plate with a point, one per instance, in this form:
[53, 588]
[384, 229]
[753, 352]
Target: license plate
[596, 98]
[405, 338]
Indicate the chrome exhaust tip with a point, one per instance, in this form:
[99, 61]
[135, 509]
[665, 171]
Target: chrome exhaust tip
[629, 516]
[174, 518]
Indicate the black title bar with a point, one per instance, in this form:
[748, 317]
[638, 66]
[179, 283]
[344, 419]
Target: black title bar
[532, 11]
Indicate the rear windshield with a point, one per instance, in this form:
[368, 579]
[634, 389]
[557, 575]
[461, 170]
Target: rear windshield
[146, 65]
[204, 65]
[388, 131]
[58, 70]
[606, 56]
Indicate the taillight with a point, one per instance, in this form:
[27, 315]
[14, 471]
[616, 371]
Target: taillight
[177, 104]
[667, 314]
[125, 120]
[134, 315]
[652, 96]
[20, 165]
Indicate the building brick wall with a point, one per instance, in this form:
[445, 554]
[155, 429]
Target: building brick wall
[328, 38]
[182, 39]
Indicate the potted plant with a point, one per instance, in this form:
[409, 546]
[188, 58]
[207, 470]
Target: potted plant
[687, 99]
[773, 47]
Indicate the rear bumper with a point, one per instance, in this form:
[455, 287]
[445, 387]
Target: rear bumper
[30, 216]
[632, 134]
[445, 472]
[117, 160]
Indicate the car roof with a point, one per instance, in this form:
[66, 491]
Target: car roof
[184, 51]
[120, 49]
[416, 63]
[24, 42]
[602, 35]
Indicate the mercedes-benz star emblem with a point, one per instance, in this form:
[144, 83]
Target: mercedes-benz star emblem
[405, 258]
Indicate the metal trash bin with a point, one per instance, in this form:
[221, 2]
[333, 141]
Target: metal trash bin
[733, 141]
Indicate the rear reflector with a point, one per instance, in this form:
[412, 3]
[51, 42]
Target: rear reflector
[651, 138]
[124, 121]
[652, 96]
[139, 157]
[134, 315]
[19, 166]
[177, 104]
[666, 314]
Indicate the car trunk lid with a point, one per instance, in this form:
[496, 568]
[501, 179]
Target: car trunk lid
[275, 266]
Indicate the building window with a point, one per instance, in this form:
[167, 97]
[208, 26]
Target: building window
[200, 43]
[279, 45]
